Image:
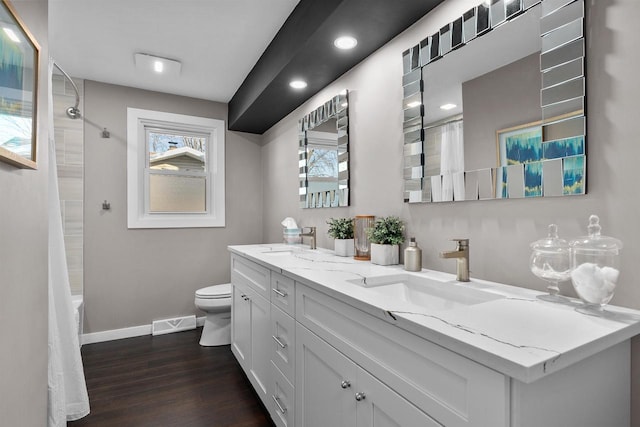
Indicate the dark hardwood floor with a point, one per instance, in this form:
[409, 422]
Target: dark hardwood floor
[168, 380]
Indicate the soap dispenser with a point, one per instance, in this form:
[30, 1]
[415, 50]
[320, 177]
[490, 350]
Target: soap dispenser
[413, 256]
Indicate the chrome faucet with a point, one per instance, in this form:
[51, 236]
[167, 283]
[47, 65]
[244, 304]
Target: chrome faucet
[461, 254]
[312, 234]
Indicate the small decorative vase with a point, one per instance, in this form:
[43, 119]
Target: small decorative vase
[363, 246]
[385, 254]
[344, 247]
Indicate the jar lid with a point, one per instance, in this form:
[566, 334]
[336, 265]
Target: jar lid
[596, 241]
[552, 243]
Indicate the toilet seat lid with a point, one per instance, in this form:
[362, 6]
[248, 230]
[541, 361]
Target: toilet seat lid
[215, 291]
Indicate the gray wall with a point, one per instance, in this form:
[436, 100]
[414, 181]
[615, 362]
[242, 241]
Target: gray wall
[500, 231]
[133, 277]
[23, 261]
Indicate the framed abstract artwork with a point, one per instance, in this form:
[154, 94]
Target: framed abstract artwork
[519, 144]
[19, 57]
[524, 145]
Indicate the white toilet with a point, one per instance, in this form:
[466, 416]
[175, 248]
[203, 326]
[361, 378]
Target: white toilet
[216, 302]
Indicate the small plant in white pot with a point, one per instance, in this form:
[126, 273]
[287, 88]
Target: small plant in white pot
[341, 229]
[386, 236]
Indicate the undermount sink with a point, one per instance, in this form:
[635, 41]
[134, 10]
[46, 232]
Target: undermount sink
[425, 292]
[279, 252]
[299, 253]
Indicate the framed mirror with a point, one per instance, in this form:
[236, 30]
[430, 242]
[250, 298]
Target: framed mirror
[19, 54]
[323, 155]
[494, 104]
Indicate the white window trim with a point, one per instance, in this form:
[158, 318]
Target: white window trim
[137, 217]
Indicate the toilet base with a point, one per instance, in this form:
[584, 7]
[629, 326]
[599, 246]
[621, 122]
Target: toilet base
[217, 329]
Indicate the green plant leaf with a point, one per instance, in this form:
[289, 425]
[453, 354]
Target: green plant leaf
[340, 228]
[387, 231]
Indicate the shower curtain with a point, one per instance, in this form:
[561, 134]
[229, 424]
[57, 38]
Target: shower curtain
[452, 161]
[67, 390]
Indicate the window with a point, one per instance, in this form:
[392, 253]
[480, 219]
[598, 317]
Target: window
[175, 170]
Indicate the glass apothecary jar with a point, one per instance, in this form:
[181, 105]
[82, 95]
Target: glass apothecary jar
[551, 261]
[595, 267]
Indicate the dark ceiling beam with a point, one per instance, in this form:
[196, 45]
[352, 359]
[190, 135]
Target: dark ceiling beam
[303, 48]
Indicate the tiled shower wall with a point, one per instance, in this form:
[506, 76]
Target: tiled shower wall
[69, 137]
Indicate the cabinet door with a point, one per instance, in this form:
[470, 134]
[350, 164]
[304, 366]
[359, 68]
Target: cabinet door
[324, 395]
[379, 406]
[260, 344]
[241, 326]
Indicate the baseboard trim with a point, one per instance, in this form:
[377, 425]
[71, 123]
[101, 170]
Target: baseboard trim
[118, 334]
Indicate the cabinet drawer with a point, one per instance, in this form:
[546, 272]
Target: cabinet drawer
[452, 389]
[252, 274]
[283, 342]
[283, 292]
[281, 400]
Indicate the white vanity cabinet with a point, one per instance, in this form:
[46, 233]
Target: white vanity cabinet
[250, 322]
[319, 356]
[449, 388]
[315, 345]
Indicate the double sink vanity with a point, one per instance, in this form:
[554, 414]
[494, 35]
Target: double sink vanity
[330, 341]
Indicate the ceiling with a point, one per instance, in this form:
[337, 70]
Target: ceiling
[241, 52]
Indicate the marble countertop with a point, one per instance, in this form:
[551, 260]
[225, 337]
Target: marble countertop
[515, 334]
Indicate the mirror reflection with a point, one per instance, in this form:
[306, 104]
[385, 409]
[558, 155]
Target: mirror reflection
[492, 83]
[324, 156]
[494, 115]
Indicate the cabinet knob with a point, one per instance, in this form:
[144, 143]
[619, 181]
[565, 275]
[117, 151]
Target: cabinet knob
[345, 384]
[360, 396]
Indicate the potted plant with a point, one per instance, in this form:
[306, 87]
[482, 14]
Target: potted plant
[341, 229]
[386, 236]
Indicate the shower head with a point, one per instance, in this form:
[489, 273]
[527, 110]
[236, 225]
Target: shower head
[73, 112]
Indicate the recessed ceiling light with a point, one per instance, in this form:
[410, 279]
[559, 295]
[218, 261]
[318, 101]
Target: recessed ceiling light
[345, 42]
[413, 104]
[157, 65]
[11, 34]
[298, 84]
[448, 106]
